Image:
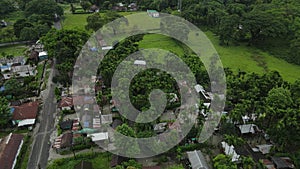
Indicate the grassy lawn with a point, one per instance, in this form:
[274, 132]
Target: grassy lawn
[75, 21]
[251, 59]
[99, 161]
[16, 50]
[241, 57]
[78, 21]
[161, 42]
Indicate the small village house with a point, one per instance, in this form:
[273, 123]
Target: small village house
[133, 7]
[25, 114]
[66, 103]
[10, 147]
[153, 13]
[197, 160]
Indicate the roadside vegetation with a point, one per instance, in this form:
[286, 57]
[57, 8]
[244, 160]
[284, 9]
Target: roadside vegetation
[98, 160]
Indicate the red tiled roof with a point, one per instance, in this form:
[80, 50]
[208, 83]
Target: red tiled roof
[66, 102]
[9, 151]
[26, 111]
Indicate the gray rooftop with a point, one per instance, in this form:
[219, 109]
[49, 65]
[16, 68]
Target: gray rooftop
[197, 160]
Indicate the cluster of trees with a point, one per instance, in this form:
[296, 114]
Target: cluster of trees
[158, 4]
[272, 100]
[130, 164]
[86, 6]
[39, 17]
[143, 4]
[4, 112]
[97, 20]
[222, 161]
[7, 7]
[254, 22]
[64, 46]
[114, 57]
[251, 21]
[129, 147]
[20, 88]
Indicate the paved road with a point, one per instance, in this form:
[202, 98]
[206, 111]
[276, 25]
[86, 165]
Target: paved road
[40, 150]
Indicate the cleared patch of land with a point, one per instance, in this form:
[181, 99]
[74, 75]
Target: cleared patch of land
[75, 21]
[250, 59]
[237, 58]
[161, 42]
[15, 50]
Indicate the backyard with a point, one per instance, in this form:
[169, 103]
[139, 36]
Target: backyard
[15, 50]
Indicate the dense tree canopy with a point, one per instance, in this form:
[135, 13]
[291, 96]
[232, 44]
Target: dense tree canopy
[269, 98]
[40, 17]
[123, 144]
[97, 20]
[64, 45]
[47, 8]
[5, 114]
[6, 7]
[222, 161]
[253, 21]
[13, 86]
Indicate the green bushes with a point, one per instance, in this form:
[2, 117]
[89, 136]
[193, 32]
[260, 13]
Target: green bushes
[161, 159]
[81, 147]
[59, 130]
[98, 160]
[66, 112]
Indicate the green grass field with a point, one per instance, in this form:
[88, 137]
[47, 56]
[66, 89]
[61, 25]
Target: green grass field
[75, 21]
[161, 42]
[243, 57]
[240, 57]
[16, 50]
[251, 59]
[78, 21]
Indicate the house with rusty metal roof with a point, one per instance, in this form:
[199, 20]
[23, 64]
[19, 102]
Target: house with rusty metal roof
[25, 114]
[66, 103]
[10, 147]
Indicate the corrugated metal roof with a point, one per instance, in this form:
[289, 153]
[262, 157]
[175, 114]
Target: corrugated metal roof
[197, 160]
[26, 122]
